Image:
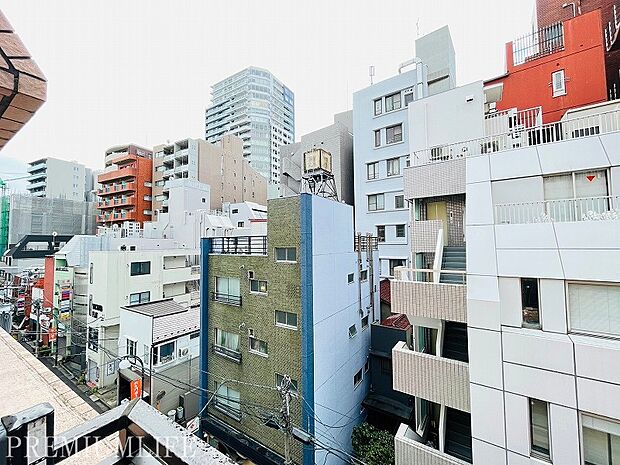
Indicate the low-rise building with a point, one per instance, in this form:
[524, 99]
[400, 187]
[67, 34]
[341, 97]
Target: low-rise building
[276, 305]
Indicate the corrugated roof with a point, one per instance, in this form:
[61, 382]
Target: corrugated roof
[177, 324]
[397, 320]
[157, 308]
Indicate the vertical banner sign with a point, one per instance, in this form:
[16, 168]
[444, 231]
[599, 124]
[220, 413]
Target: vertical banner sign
[136, 388]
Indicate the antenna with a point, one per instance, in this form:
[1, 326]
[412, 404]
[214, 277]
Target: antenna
[417, 27]
[371, 73]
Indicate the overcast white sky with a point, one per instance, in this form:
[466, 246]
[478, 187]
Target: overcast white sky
[140, 71]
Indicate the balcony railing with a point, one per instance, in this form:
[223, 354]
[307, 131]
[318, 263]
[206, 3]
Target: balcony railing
[500, 122]
[544, 41]
[409, 450]
[239, 245]
[577, 128]
[234, 355]
[559, 211]
[228, 299]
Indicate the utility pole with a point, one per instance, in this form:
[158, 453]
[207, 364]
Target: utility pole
[285, 394]
[37, 304]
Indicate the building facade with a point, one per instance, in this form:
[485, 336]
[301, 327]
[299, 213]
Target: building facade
[54, 178]
[337, 139]
[255, 106]
[125, 192]
[276, 305]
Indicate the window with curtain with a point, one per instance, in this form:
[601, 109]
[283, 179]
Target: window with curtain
[539, 429]
[227, 340]
[228, 400]
[594, 308]
[227, 287]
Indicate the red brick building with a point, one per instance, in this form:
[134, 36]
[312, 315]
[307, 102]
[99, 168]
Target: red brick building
[125, 193]
[557, 67]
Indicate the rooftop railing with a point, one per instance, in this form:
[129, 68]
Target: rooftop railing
[549, 133]
[537, 44]
[239, 245]
[563, 210]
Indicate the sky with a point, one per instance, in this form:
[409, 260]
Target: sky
[140, 71]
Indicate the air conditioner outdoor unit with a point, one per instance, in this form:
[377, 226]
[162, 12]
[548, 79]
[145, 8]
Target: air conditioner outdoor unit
[183, 352]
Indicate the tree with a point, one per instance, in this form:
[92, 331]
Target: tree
[373, 446]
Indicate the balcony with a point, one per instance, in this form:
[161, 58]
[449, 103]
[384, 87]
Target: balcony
[424, 235]
[239, 245]
[37, 184]
[545, 41]
[409, 451]
[228, 299]
[436, 379]
[111, 203]
[128, 172]
[437, 179]
[417, 298]
[559, 211]
[230, 354]
[116, 188]
[40, 175]
[177, 275]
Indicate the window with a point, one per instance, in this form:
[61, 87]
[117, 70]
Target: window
[394, 263]
[363, 275]
[90, 277]
[558, 82]
[399, 201]
[227, 340]
[132, 347]
[392, 102]
[294, 384]
[400, 230]
[140, 268]
[367, 366]
[569, 197]
[286, 319]
[286, 254]
[258, 286]
[140, 298]
[227, 290]
[228, 400]
[352, 331]
[350, 278]
[235, 210]
[357, 379]
[164, 353]
[365, 322]
[93, 339]
[408, 98]
[376, 202]
[394, 134]
[594, 308]
[381, 233]
[393, 167]
[378, 138]
[257, 346]
[601, 441]
[529, 303]
[539, 429]
[372, 171]
[378, 107]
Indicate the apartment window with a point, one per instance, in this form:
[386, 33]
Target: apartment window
[227, 290]
[569, 197]
[286, 254]
[258, 286]
[539, 429]
[529, 303]
[164, 353]
[381, 233]
[140, 298]
[392, 102]
[393, 167]
[140, 268]
[240, 224]
[378, 138]
[594, 308]
[352, 331]
[400, 230]
[376, 202]
[228, 400]
[601, 441]
[257, 346]
[367, 366]
[399, 201]
[286, 319]
[93, 339]
[280, 378]
[357, 378]
[132, 347]
[365, 322]
[558, 82]
[408, 98]
[350, 278]
[378, 107]
[372, 170]
[226, 340]
[394, 263]
[394, 134]
[363, 275]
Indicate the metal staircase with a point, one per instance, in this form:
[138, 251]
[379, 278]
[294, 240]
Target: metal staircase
[453, 259]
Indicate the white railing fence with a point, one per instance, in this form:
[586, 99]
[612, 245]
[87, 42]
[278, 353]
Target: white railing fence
[425, 275]
[564, 210]
[504, 121]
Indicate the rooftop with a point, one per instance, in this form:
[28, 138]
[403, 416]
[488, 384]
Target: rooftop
[157, 308]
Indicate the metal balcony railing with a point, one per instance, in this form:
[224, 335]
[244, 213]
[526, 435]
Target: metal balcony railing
[564, 210]
[239, 245]
[592, 125]
[228, 299]
[500, 122]
[234, 355]
[544, 41]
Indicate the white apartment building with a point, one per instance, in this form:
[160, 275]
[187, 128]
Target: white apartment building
[257, 107]
[381, 145]
[122, 278]
[54, 178]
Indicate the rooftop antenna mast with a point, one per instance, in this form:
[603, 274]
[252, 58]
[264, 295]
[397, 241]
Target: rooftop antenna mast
[371, 73]
[417, 27]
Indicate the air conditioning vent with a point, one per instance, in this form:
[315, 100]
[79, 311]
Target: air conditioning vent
[183, 352]
[250, 274]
